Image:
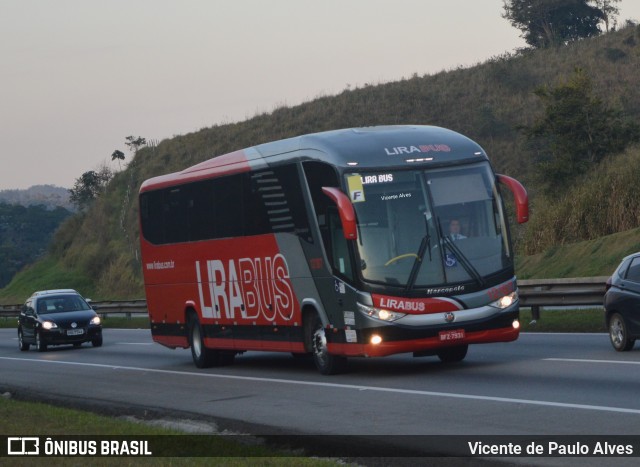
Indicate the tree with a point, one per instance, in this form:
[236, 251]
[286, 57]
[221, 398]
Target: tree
[134, 144]
[609, 12]
[576, 131]
[117, 154]
[89, 186]
[546, 23]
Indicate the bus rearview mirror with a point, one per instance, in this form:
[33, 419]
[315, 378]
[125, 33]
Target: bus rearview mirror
[520, 196]
[346, 211]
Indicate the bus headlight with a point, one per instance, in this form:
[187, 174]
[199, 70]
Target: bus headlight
[380, 313]
[505, 301]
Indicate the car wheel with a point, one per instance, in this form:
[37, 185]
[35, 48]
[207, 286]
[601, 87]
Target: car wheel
[619, 334]
[452, 354]
[40, 345]
[326, 363]
[97, 342]
[21, 343]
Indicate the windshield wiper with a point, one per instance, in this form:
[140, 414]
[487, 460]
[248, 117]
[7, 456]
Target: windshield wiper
[424, 244]
[466, 264]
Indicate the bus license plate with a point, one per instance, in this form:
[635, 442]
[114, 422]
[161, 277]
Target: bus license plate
[75, 332]
[453, 335]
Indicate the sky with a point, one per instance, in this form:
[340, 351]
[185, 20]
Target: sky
[79, 76]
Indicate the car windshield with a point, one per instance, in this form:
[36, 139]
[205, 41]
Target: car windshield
[424, 228]
[61, 304]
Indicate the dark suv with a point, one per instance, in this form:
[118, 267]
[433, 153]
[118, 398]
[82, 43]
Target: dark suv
[57, 317]
[622, 303]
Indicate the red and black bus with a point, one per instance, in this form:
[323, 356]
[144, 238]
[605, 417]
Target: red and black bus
[333, 244]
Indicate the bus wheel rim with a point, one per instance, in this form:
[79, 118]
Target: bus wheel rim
[320, 345]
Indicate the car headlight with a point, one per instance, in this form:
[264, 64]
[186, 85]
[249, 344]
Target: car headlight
[49, 325]
[505, 301]
[380, 313]
[95, 320]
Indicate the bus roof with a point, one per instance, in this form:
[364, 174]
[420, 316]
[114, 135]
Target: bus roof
[356, 148]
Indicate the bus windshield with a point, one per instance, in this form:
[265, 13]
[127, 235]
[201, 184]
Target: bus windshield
[425, 228]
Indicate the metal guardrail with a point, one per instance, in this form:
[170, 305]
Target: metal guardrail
[104, 308]
[126, 307]
[578, 291]
[562, 292]
[534, 293]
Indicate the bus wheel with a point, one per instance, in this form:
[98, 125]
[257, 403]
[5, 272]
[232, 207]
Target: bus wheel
[202, 356]
[326, 363]
[452, 354]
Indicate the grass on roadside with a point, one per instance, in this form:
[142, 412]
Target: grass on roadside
[22, 418]
[580, 320]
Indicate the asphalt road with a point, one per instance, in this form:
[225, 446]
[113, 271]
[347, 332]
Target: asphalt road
[542, 384]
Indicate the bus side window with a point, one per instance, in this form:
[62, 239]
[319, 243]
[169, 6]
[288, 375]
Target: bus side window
[256, 204]
[151, 214]
[227, 206]
[175, 216]
[274, 195]
[200, 211]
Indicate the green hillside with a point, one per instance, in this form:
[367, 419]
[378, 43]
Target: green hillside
[489, 102]
[24, 234]
[588, 258]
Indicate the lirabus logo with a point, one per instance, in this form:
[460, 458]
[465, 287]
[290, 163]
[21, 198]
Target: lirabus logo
[245, 288]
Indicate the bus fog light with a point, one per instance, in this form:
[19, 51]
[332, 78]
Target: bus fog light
[516, 324]
[376, 339]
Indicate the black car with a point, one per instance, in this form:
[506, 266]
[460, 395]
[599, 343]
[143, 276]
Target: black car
[622, 303]
[57, 317]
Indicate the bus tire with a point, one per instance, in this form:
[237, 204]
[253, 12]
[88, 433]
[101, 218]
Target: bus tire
[326, 363]
[203, 357]
[452, 354]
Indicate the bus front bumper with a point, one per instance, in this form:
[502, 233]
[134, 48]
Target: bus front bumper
[388, 340]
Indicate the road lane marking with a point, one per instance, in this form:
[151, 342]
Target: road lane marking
[133, 343]
[584, 360]
[343, 386]
[119, 343]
